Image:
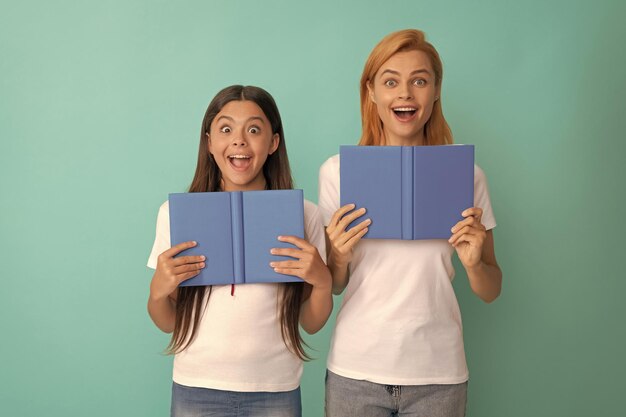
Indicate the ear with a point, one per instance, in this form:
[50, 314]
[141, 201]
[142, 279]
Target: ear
[208, 140]
[275, 143]
[370, 91]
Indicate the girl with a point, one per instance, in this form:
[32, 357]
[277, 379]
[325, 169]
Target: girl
[240, 355]
[397, 348]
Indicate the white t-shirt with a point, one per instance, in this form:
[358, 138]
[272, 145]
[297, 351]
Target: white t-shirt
[239, 346]
[399, 322]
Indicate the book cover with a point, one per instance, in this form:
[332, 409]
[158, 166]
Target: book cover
[410, 192]
[235, 232]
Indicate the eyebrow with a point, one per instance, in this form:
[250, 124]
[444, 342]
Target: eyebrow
[418, 71]
[249, 119]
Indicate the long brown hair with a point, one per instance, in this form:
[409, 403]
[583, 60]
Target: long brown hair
[436, 129]
[191, 301]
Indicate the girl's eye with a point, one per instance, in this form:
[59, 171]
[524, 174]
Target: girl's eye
[420, 82]
[390, 83]
[254, 130]
[225, 129]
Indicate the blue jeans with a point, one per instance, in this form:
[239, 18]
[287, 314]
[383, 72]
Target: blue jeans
[346, 397]
[201, 402]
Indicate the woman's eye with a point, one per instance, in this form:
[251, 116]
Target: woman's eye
[420, 82]
[390, 83]
[225, 129]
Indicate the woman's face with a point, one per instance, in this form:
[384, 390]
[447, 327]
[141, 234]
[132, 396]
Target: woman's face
[404, 92]
[240, 140]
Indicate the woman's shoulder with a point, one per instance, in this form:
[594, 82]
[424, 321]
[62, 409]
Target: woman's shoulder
[310, 209]
[331, 163]
[330, 168]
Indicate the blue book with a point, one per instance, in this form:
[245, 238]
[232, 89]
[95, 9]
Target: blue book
[410, 192]
[235, 231]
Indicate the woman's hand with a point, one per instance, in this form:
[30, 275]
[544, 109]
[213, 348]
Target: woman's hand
[342, 241]
[170, 271]
[468, 237]
[308, 263]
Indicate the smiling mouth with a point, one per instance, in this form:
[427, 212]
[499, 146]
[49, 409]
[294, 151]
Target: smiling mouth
[240, 162]
[404, 114]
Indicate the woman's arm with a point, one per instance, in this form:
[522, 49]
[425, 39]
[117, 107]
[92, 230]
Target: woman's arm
[476, 249]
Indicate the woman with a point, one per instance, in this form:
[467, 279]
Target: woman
[397, 348]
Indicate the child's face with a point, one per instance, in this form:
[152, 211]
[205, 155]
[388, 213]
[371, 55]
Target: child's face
[240, 140]
[404, 92]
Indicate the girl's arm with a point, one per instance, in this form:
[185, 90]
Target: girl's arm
[339, 243]
[476, 250]
[317, 301]
[169, 273]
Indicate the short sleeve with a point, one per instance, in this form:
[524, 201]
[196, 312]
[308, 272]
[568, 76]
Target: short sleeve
[314, 228]
[481, 198]
[328, 197]
[162, 237]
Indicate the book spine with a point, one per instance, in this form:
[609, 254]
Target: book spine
[236, 207]
[407, 192]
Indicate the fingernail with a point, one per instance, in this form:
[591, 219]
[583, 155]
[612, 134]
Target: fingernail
[272, 264]
[203, 257]
[368, 221]
[202, 265]
[272, 251]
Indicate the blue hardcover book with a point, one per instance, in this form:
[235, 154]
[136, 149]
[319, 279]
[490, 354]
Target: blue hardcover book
[410, 192]
[235, 231]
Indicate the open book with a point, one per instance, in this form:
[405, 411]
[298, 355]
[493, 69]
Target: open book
[410, 192]
[235, 231]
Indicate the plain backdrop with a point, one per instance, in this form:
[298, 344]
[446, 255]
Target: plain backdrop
[100, 110]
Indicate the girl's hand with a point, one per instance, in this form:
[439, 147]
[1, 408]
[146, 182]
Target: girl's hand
[341, 241]
[170, 271]
[308, 264]
[468, 237]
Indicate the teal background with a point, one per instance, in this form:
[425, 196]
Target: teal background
[100, 112]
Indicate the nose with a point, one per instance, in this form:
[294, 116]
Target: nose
[405, 92]
[239, 140]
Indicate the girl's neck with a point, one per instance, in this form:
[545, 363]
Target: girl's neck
[418, 140]
[254, 186]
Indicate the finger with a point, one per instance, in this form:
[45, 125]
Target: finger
[188, 268]
[186, 276]
[287, 264]
[294, 253]
[353, 231]
[349, 218]
[175, 250]
[472, 240]
[472, 211]
[181, 260]
[469, 221]
[350, 243]
[290, 271]
[296, 241]
[340, 213]
[467, 230]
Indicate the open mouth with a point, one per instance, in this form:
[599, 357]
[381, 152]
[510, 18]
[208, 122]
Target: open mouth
[404, 114]
[240, 162]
